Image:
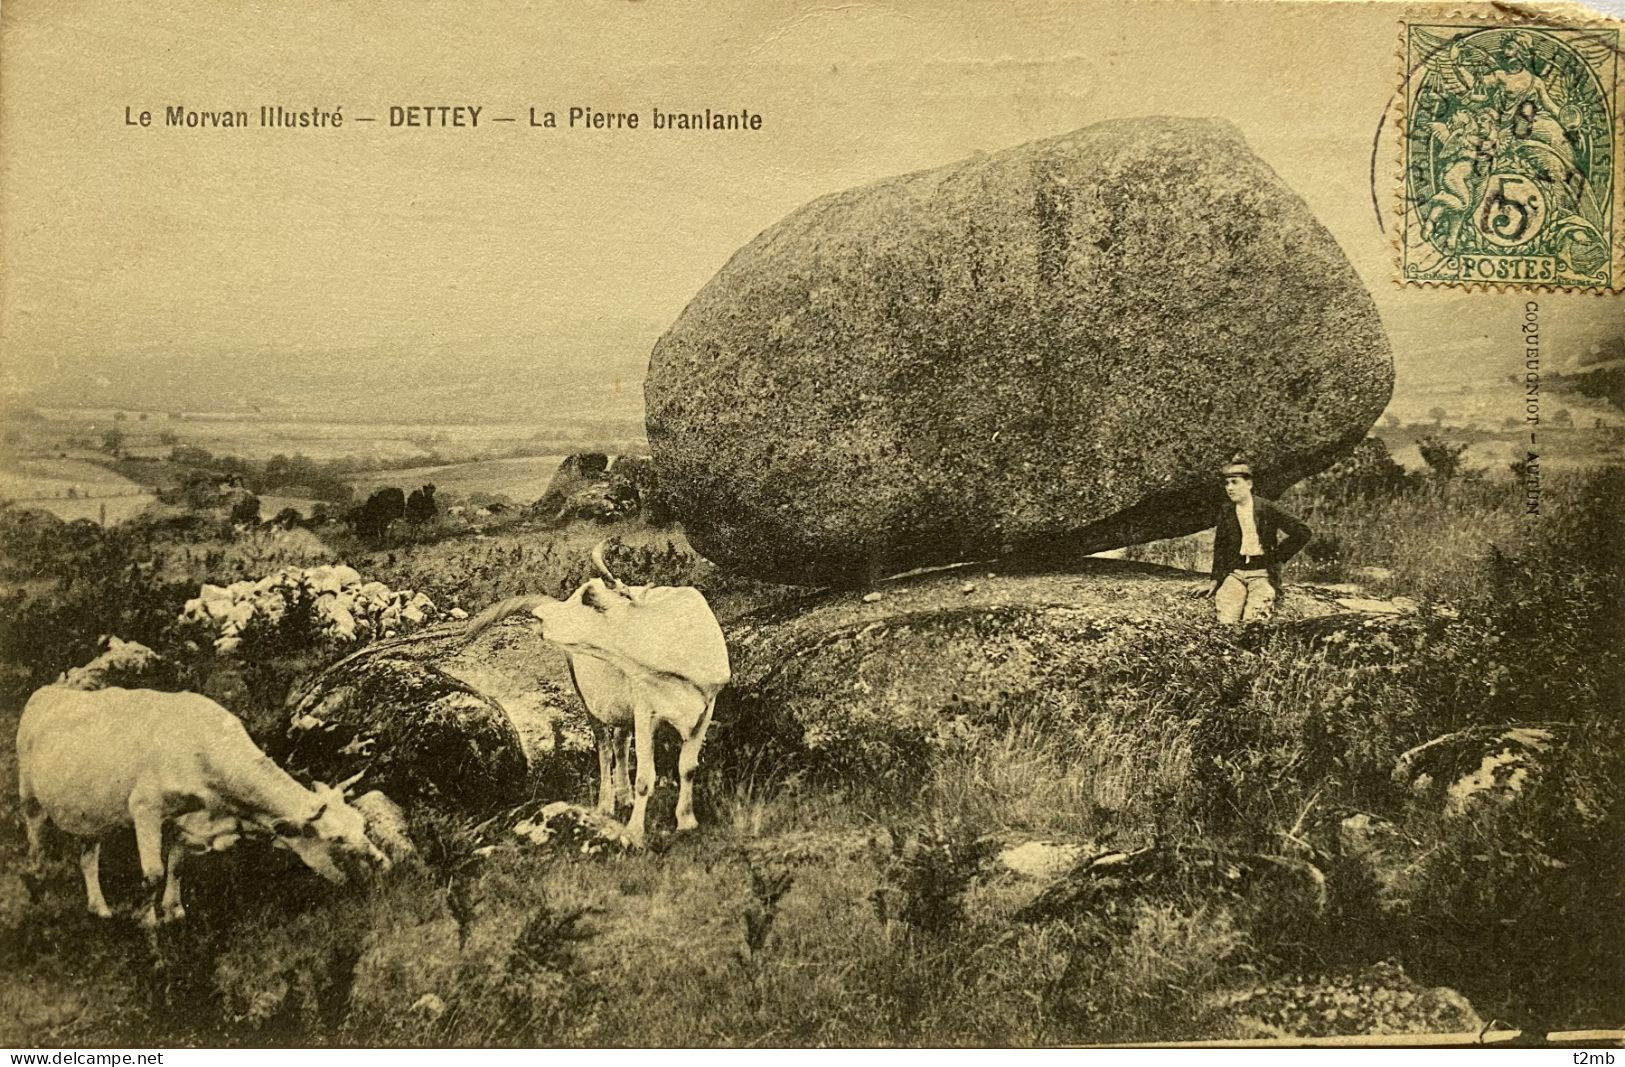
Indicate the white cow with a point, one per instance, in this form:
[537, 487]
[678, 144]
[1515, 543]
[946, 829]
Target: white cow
[94, 761]
[639, 656]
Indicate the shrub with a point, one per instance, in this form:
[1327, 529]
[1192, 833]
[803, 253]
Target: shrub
[1442, 457]
[926, 875]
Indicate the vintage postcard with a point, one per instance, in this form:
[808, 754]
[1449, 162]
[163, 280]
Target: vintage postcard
[898, 524]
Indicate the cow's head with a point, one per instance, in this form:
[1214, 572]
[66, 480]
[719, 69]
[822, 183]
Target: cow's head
[661, 630]
[594, 610]
[332, 840]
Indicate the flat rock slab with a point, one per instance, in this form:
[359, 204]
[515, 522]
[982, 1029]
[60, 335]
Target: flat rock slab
[864, 685]
[1043, 351]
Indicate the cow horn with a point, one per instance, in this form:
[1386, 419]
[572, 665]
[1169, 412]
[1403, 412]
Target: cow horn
[344, 786]
[598, 561]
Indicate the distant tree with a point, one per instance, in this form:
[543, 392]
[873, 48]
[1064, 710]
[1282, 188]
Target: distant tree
[1442, 457]
[420, 506]
[197, 489]
[119, 416]
[1511, 422]
[371, 520]
[1563, 417]
[246, 510]
[191, 456]
[288, 518]
[1438, 415]
[141, 417]
[1391, 421]
[113, 441]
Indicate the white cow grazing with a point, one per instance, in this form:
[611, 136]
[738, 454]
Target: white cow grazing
[639, 656]
[94, 761]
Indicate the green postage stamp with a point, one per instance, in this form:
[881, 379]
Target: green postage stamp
[1510, 157]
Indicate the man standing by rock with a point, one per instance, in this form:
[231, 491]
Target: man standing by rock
[1249, 549]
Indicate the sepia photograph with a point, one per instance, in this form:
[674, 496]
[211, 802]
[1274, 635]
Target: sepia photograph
[910, 525]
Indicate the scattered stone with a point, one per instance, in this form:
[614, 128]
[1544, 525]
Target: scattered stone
[572, 828]
[986, 359]
[386, 825]
[429, 1006]
[1171, 872]
[1041, 859]
[121, 663]
[968, 588]
[872, 598]
[1372, 606]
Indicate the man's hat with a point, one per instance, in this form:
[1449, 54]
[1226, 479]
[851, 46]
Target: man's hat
[1236, 467]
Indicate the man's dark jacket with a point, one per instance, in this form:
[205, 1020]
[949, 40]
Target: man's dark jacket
[1280, 533]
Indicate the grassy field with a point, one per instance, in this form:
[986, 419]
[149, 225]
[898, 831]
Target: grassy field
[259, 436]
[70, 488]
[522, 478]
[824, 903]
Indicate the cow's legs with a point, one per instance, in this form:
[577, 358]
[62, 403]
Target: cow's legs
[606, 769]
[623, 765]
[149, 844]
[687, 763]
[34, 827]
[643, 734]
[173, 910]
[90, 865]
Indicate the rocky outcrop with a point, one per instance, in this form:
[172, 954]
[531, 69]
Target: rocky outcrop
[410, 729]
[865, 687]
[514, 687]
[1479, 765]
[1380, 999]
[589, 488]
[129, 664]
[1108, 881]
[1047, 350]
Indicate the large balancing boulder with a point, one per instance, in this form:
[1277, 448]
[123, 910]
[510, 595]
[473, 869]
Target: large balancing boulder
[1043, 351]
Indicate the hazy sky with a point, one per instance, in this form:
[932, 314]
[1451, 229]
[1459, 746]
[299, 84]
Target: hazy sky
[203, 244]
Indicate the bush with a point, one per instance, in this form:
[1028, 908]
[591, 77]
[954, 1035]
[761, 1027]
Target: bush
[926, 875]
[1442, 457]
